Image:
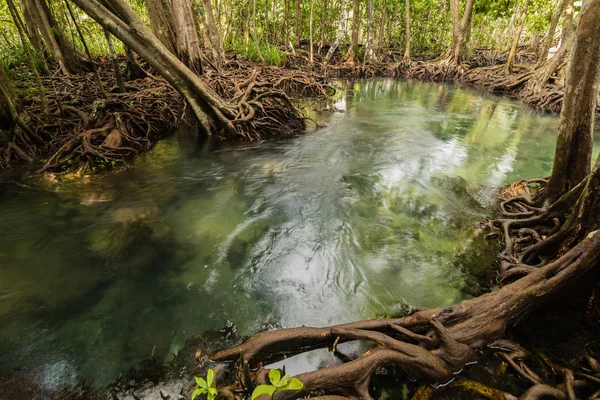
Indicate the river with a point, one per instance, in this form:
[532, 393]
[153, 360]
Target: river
[373, 214]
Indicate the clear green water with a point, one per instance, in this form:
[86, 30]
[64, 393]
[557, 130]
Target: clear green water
[370, 215]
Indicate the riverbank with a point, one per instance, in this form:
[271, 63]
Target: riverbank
[85, 123]
[96, 128]
[538, 86]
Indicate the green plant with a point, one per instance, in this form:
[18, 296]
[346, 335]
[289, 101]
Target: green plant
[206, 386]
[277, 383]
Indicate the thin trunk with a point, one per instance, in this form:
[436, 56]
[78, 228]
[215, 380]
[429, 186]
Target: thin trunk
[572, 160]
[286, 23]
[442, 23]
[311, 32]
[7, 101]
[254, 34]
[353, 52]
[298, 23]
[543, 54]
[87, 50]
[341, 33]
[369, 43]
[406, 58]
[115, 62]
[38, 80]
[323, 26]
[133, 69]
[568, 20]
[381, 29]
[513, 49]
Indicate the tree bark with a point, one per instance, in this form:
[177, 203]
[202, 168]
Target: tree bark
[40, 19]
[298, 20]
[568, 20]
[341, 33]
[212, 112]
[353, 51]
[186, 32]
[406, 58]
[572, 160]
[115, 62]
[38, 80]
[515, 44]
[543, 54]
[461, 33]
[215, 34]
[369, 43]
[162, 23]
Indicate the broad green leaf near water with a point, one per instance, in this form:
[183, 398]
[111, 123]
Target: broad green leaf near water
[198, 392]
[201, 382]
[274, 376]
[284, 381]
[263, 389]
[210, 377]
[293, 384]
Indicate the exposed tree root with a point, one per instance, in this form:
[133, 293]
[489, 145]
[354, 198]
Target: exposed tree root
[436, 344]
[86, 130]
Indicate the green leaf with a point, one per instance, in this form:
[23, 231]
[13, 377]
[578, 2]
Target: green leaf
[210, 396]
[201, 382]
[294, 384]
[263, 389]
[210, 377]
[197, 393]
[274, 376]
[284, 381]
[213, 391]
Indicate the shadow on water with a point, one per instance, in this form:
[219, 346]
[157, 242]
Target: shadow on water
[372, 215]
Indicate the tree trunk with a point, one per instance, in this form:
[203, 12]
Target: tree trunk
[575, 135]
[38, 80]
[212, 112]
[162, 23]
[543, 54]
[461, 33]
[369, 43]
[353, 51]
[568, 20]
[341, 33]
[40, 19]
[298, 28]
[310, 23]
[254, 33]
[115, 62]
[324, 21]
[186, 32]
[215, 34]
[515, 44]
[542, 74]
[8, 97]
[465, 33]
[286, 23]
[381, 29]
[406, 58]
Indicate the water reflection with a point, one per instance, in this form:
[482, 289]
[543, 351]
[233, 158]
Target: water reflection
[371, 215]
